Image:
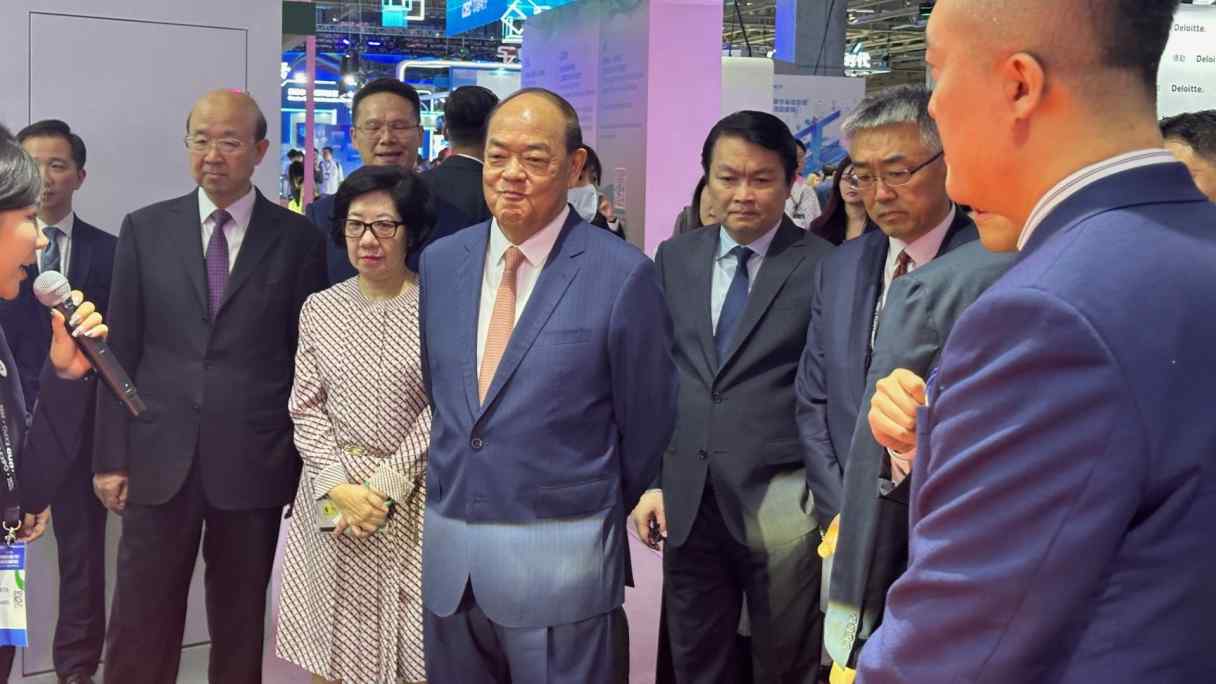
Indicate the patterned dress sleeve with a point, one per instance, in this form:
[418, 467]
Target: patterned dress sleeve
[314, 431]
[399, 475]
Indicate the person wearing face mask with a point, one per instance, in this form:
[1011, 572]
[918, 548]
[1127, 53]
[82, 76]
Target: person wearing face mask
[351, 596]
[36, 453]
[584, 195]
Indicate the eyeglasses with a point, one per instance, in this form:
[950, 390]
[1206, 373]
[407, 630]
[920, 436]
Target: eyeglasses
[891, 179]
[384, 230]
[397, 129]
[201, 145]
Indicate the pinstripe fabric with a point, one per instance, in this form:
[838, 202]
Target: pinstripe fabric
[502, 322]
[351, 608]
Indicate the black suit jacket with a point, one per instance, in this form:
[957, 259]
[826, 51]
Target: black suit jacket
[832, 374]
[46, 443]
[457, 181]
[735, 423]
[28, 322]
[215, 391]
[873, 542]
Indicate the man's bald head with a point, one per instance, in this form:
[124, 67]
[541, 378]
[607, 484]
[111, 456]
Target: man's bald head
[1078, 40]
[232, 100]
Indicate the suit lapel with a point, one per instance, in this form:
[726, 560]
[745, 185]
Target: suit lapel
[81, 256]
[552, 284]
[189, 245]
[779, 262]
[961, 231]
[861, 315]
[469, 276]
[701, 291]
[260, 237]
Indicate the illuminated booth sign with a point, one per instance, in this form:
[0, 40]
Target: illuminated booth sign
[466, 15]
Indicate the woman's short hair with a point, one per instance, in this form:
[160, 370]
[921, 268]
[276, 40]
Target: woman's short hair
[20, 181]
[410, 196]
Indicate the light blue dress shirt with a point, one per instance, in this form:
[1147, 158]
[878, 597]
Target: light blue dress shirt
[725, 264]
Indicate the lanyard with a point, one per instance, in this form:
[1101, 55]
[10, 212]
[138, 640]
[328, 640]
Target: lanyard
[8, 464]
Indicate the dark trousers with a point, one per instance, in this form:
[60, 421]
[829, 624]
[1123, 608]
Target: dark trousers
[79, 523]
[155, 562]
[470, 648]
[704, 581]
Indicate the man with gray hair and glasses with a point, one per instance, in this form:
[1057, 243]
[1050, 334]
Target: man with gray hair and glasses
[897, 164]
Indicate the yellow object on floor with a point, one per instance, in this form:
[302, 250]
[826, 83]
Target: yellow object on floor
[827, 547]
[841, 675]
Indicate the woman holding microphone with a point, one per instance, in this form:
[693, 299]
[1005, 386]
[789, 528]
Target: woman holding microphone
[35, 450]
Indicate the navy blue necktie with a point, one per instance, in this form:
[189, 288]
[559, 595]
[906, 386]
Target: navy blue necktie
[735, 303]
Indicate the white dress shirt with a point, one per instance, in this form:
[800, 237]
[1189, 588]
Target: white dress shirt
[1088, 176]
[241, 212]
[536, 251]
[64, 239]
[725, 265]
[803, 204]
[921, 250]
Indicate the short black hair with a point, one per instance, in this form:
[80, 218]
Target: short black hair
[410, 196]
[20, 179]
[1132, 35]
[574, 131]
[327, 149]
[758, 128]
[386, 85]
[466, 114]
[293, 153]
[1196, 129]
[54, 128]
[593, 165]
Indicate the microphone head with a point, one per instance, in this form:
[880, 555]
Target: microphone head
[52, 288]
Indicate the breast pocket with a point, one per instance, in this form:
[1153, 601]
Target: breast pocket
[568, 336]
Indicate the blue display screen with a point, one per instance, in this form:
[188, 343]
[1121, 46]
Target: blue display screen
[466, 15]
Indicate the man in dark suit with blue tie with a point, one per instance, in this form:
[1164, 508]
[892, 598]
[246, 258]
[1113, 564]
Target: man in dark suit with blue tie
[547, 353]
[1062, 495]
[732, 502]
[85, 254]
[898, 168]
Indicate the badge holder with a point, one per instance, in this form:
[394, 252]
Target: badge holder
[13, 625]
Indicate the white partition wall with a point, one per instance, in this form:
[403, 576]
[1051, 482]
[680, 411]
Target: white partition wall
[123, 74]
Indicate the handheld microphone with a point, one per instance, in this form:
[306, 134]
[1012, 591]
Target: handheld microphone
[53, 290]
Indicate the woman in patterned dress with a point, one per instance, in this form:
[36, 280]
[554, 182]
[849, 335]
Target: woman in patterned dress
[351, 602]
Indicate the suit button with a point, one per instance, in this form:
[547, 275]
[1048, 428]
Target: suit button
[702, 454]
[206, 320]
[197, 407]
[717, 398]
[477, 444]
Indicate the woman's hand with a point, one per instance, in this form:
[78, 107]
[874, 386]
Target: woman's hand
[34, 526]
[363, 511]
[66, 358]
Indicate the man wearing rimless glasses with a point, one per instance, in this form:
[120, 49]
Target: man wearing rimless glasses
[898, 169]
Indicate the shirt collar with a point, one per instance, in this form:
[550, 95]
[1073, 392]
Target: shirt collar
[65, 225]
[1086, 177]
[241, 210]
[536, 249]
[759, 246]
[924, 249]
[469, 156]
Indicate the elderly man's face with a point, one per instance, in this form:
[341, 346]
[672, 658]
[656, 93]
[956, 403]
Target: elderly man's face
[1202, 170]
[528, 170]
[223, 151]
[906, 211]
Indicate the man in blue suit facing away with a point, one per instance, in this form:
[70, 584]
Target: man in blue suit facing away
[547, 352]
[1062, 484]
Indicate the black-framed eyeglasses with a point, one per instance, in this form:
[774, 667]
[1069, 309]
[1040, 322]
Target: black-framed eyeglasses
[384, 230]
[892, 179]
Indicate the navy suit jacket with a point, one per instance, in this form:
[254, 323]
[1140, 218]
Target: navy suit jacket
[1065, 482]
[28, 322]
[527, 492]
[832, 372]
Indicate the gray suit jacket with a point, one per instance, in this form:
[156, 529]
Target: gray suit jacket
[873, 548]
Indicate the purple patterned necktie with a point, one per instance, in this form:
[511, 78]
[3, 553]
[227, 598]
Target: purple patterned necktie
[217, 261]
